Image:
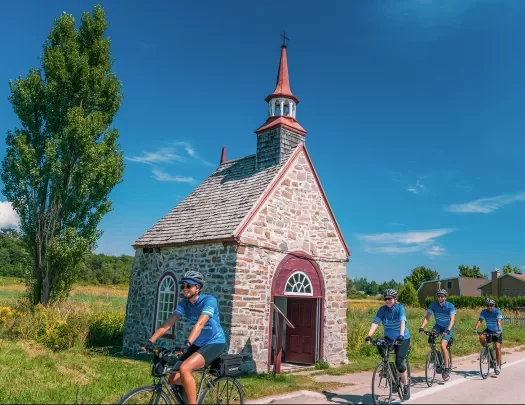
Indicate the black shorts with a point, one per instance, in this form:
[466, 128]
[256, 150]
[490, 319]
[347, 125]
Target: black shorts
[497, 339]
[209, 352]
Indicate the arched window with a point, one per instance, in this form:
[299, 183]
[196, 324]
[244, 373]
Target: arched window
[165, 301]
[299, 284]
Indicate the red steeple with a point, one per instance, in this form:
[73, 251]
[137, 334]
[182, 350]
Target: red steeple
[282, 87]
[282, 103]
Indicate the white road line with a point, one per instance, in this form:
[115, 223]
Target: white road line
[450, 384]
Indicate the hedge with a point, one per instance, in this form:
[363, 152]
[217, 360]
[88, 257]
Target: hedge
[504, 303]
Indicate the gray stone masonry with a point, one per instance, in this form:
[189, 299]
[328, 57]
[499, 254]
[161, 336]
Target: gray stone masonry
[215, 261]
[294, 217]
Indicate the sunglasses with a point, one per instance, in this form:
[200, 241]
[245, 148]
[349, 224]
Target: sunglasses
[186, 286]
[441, 296]
[389, 299]
[490, 306]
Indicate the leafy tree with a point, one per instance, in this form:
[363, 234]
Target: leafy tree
[466, 271]
[419, 275]
[507, 269]
[408, 295]
[517, 270]
[373, 288]
[64, 160]
[14, 258]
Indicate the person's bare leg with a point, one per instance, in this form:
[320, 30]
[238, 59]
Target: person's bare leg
[194, 362]
[498, 353]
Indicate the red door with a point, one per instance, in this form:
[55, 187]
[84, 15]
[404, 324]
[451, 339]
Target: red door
[300, 341]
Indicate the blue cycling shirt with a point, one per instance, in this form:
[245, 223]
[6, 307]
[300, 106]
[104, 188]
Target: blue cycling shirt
[442, 313]
[391, 319]
[491, 319]
[206, 304]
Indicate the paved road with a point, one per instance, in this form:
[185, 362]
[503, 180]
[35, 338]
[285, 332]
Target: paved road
[464, 387]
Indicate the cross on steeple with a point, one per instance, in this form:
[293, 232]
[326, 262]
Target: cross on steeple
[284, 38]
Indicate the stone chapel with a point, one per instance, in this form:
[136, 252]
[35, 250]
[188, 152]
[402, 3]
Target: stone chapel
[260, 229]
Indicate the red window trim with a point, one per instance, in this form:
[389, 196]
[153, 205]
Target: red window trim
[172, 275]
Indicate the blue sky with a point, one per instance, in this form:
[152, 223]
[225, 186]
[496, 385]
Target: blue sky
[414, 111]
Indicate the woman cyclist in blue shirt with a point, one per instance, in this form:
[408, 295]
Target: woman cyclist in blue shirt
[206, 341]
[393, 317]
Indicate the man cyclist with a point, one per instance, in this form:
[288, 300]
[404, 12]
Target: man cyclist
[493, 319]
[393, 317]
[206, 341]
[445, 314]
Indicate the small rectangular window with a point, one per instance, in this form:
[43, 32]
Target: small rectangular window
[449, 284]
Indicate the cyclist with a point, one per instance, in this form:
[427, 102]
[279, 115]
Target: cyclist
[206, 341]
[393, 317]
[445, 314]
[493, 319]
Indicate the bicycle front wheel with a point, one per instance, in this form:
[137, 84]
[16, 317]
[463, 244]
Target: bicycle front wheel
[223, 390]
[430, 368]
[484, 363]
[381, 385]
[148, 394]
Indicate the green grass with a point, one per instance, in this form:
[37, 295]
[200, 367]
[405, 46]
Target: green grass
[33, 374]
[364, 357]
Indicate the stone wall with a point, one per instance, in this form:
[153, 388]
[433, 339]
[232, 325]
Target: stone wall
[294, 217]
[215, 261]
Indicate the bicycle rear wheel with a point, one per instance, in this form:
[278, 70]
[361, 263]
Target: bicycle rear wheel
[381, 385]
[484, 363]
[148, 394]
[223, 390]
[430, 368]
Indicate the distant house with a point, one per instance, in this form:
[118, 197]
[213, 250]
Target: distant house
[460, 286]
[509, 285]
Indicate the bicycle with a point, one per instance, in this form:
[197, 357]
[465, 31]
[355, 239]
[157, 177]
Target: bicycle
[218, 377]
[387, 371]
[435, 362]
[487, 356]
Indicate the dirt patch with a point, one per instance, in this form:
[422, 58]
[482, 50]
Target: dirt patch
[80, 374]
[33, 350]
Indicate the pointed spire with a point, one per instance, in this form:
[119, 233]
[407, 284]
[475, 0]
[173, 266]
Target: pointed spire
[282, 87]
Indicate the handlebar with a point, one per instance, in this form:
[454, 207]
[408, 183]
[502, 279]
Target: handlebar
[384, 342]
[163, 352]
[488, 334]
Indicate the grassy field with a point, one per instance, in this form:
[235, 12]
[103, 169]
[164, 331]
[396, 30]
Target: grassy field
[35, 374]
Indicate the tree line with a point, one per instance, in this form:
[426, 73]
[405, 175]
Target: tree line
[416, 277]
[15, 261]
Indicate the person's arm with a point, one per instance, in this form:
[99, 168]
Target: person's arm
[196, 331]
[500, 319]
[208, 311]
[479, 322]
[403, 320]
[426, 318]
[375, 324]
[169, 323]
[372, 329]
[451, 324]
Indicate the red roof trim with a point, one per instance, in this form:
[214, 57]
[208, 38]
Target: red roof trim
[287, 122]
[240, 229]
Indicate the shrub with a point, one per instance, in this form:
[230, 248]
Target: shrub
[321, 365]
[65, 325]
[408, 295]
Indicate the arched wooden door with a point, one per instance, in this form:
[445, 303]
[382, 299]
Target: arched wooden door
[299, 280]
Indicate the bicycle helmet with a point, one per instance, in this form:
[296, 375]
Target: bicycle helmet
[490, 302]
[442, 291]
[192, 277]
[390, 293]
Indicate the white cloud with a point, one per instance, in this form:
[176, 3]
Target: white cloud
[486, 205]
[404, 242]
[436, 251]
[163, 176]
[163, 155]
[192, 153]
[416, 188]
[8, 216]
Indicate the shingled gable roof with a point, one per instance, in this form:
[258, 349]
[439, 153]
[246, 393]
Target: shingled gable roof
[214, 210]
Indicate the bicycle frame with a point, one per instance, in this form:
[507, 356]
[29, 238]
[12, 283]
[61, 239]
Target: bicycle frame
[393, 374]
[440, 357]
[492, 354]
